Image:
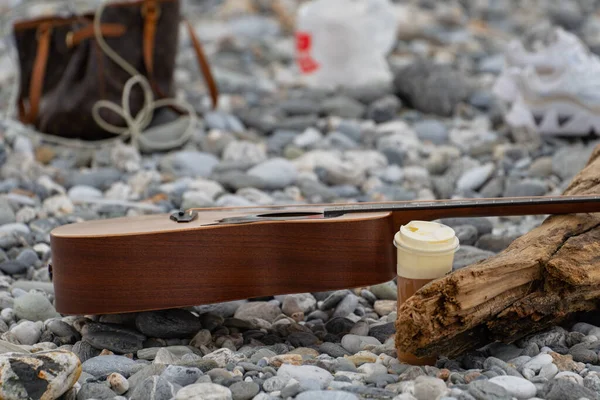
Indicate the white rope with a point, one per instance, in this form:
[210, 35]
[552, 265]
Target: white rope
[135, 124]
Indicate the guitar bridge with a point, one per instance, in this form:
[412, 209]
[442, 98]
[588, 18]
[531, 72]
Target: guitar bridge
[183, 216]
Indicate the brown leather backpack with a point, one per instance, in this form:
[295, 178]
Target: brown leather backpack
[64, 72]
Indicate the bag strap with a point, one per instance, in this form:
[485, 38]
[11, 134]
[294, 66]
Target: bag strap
[151, 13]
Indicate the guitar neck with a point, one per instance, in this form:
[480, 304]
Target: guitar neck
[504, 206]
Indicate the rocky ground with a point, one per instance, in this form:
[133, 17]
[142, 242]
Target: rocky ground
[437, 132]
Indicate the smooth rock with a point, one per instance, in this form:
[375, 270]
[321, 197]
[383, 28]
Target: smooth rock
[275, 173]
[155, 388]
[274, 383]
[244, 390]
[485, 390]
[95, 391]
[564, 389]
[354, 343]
[467, 255]
[118, 383]
[515, 386]
[474, 179]
[306, 375]
[537, 362]
[326, 395]
[101, 366]
[385, 291]
[181, 376]
[204, 391]
[427, 387]
[34, 307]
[46, 374]
[466, 234]
[431, 130]
[224, 356]
[175, 323]
[242, 150]
[258, 309]
[27, 332]
[189, 163]
[346, 306]
[113, 337]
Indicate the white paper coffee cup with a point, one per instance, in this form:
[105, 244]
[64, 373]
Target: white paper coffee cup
[425, 250]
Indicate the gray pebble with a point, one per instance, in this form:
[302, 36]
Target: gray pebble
[326, 395]
[113, 337]
[34, 307]
[526, 188]
[99, 178]
[173, 323]
[431, 130]
[466, 234]
[333, 299]
[333, 349]
[275, 173]
[101, 366]
[275, 383]
[483, 225]
[495, 243]
[346, 306]
[244, 390]
[96, 391]
[564, 389]
[384, 109]
[467, 255]
[344, 107]
[581, 353]
[485, 390]
[181, 376]
[153, 387]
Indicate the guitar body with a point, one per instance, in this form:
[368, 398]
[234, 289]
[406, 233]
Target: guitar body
[151, 262]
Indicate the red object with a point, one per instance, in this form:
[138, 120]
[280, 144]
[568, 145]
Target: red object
[303, 41]
[305, 61]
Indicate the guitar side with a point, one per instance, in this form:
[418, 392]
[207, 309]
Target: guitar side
[152, 263]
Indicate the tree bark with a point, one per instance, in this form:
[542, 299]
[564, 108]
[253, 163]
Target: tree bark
[540, 280]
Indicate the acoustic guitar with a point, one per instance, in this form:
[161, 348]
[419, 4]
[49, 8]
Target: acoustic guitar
[203, 256]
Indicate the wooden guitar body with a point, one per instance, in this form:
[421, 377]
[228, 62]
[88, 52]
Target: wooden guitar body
[151, 262]
[212, 255]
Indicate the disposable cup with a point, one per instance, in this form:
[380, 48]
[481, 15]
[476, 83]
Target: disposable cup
[425, 252]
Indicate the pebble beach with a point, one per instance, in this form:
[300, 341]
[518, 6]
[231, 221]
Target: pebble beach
[436, 132]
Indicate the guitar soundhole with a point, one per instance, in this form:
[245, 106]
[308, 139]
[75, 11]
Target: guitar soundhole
[289, 214]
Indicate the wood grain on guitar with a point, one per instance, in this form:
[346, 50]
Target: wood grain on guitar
[212, 255]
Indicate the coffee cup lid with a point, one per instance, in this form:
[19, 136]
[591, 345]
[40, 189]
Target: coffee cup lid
[426, 237]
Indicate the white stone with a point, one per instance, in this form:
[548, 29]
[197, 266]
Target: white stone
[243, 150]
[59, 368]
[571, 376]
[373, 369]
[27, 332]
[58, 205]
[211, 188]
[204, 391]
[224, 356]
[118, 383]
[537, 362]
[305, 373]
[515, 386]
[309, 137]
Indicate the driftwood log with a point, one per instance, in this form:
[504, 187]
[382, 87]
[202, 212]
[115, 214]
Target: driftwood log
[541, 279]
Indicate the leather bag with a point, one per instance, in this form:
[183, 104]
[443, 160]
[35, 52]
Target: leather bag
[64, 71]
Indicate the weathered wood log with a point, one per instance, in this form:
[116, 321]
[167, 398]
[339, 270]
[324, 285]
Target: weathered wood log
[541, 279]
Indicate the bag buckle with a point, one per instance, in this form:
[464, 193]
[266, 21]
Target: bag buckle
[150, 9]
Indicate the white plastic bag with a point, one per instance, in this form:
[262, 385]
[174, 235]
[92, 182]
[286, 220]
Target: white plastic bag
[345, 42]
